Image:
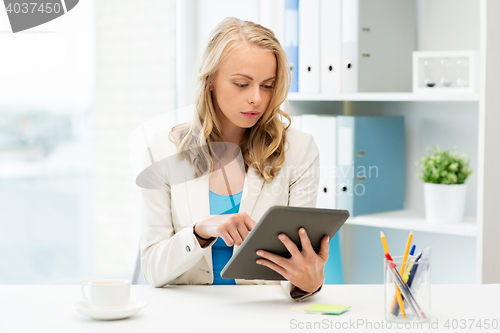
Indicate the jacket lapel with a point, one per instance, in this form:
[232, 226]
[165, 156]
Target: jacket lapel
[197, 192]
[251, 190]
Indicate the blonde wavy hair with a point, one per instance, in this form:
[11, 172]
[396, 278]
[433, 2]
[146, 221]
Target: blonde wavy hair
[263, 145]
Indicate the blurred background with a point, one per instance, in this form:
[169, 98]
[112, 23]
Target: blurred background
[71, 92]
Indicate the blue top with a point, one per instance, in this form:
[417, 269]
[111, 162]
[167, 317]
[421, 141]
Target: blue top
[221, 253]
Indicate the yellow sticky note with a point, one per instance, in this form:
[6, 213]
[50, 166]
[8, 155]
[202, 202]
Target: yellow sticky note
[327, 308]
[301, 309]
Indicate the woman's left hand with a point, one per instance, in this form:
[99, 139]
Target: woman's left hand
[305, 269]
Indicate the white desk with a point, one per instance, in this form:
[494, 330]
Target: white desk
[48, 308]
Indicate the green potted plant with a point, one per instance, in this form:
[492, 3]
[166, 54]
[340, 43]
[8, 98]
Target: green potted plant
[444, 174]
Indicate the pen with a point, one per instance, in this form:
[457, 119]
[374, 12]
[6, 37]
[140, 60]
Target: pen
[411, 261]
[414, 269]
[407, 293]
[403, 266]
[412, 250]
[399, 299]
[411, 276]
[423, 266]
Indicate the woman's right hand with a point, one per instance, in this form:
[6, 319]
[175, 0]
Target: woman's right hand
[233, 228]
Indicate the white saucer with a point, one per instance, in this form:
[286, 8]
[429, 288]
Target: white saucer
[84, 308]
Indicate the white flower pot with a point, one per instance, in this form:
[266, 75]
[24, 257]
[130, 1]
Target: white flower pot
[444, 203]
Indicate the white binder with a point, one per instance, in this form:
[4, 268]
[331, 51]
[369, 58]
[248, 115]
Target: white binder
[349, 31]
[309, 47]
[378, 38]
[331, 41]
[323, 129]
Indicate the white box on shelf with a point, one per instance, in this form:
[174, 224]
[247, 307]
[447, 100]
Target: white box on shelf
[445, 72]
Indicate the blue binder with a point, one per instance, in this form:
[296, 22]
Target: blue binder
[334, 272]
[291, 35]
[370, 163]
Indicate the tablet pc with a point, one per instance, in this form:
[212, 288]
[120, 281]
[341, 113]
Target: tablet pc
[318, 222]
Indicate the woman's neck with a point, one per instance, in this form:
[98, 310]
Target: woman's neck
[230, 132]
[233, 137]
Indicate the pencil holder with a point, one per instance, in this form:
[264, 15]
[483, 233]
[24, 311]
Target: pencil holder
[407, 290]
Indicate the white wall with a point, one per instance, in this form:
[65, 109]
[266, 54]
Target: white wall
[135, 71]
[447, 25]
[489, 120]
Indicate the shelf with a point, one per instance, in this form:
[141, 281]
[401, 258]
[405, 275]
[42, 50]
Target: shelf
[408, 220]
[403, 97]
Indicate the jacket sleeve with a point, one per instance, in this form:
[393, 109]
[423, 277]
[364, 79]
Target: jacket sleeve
[166, 251]
[303, 191]
[165, 255]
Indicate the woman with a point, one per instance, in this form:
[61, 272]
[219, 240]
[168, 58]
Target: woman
[191, 228]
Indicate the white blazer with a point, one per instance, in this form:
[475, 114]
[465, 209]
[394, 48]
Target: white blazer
[170, 252]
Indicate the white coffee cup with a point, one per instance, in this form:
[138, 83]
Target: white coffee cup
[107, 294]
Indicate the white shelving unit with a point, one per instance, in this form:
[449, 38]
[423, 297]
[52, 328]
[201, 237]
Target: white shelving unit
[401, 97]
[466, 252]
[411, 220]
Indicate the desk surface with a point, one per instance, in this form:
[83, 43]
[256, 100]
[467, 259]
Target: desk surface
[48, 308]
